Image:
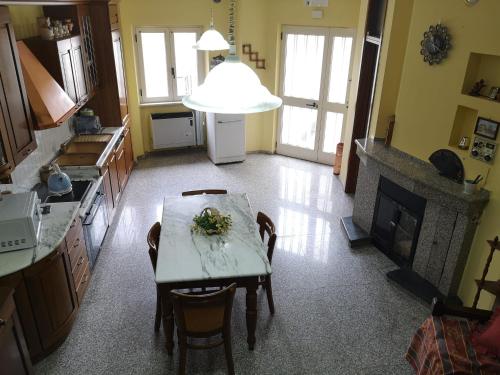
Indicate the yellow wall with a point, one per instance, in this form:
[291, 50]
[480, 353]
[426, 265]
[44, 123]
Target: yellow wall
[24, 20]
[258, 22]
[428, 101]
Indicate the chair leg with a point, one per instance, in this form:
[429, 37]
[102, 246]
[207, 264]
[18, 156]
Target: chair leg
[229, 353]
[269, 292]
[158, 311]
[182, 353]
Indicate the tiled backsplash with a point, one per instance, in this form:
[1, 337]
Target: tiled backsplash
[49, 142]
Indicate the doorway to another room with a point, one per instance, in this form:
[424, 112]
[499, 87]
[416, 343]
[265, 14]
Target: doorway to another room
[315, 81]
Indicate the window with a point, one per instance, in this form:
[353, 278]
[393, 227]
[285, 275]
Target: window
[169, 66]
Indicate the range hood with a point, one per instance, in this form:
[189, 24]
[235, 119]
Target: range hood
[49, 103]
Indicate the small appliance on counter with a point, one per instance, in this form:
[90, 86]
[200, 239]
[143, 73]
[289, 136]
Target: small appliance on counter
[59, 182]
[20, 221]
[87, 123]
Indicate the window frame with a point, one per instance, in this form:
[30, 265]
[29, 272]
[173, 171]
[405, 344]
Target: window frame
[168, 32]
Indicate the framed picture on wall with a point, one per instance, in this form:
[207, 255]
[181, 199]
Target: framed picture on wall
[486, 128]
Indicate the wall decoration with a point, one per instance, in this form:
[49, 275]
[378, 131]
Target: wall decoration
[435, 44]
[476, 89]
[494, 93]
[254, 56]
[486, 128]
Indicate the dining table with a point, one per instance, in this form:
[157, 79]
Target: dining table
[188, 259]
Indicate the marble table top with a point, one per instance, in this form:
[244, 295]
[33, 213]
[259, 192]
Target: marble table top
[53, 230]
[187, 256]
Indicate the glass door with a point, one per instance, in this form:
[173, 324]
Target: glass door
[316, 70]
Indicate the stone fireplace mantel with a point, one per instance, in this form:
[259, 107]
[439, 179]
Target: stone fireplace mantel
[450, 217]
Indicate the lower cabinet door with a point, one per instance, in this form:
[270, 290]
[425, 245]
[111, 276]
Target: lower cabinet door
[53, 298]
[14, 356]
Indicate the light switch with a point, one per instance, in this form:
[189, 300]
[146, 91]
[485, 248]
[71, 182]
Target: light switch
[317, 14]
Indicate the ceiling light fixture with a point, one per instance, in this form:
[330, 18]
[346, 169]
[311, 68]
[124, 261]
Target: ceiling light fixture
[211, 40]
[232, 86]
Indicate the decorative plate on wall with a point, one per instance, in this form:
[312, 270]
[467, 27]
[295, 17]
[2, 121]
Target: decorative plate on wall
[435, 44]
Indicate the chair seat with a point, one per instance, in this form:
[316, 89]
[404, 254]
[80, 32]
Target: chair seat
[443, 346]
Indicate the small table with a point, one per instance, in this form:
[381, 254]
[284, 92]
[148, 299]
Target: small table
[190, 260]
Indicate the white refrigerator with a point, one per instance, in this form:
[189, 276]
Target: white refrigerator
[226, 137]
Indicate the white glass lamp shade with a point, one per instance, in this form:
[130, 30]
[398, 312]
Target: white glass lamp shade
[232, 87]
[211, 40]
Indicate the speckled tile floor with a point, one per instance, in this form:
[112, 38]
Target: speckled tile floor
[336, 312]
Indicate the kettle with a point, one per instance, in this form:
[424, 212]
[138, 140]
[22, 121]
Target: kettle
[59, 182]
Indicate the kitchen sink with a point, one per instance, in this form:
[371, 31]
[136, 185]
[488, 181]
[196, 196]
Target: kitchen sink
[81, 159]
[85, 148]
[92, 138]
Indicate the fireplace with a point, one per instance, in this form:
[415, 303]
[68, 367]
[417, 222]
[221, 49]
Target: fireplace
[397, 221]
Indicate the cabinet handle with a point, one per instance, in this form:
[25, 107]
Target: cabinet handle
[77, 243]
[80, 261]
[85, 279]
[2, 322]
[73, 225]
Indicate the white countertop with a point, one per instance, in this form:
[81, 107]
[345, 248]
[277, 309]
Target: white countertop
[187, 256]
[54, 227]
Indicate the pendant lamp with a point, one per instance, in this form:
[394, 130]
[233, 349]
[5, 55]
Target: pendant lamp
[211, 40]
[232, 86]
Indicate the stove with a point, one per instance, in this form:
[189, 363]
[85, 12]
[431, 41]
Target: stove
[78, 194]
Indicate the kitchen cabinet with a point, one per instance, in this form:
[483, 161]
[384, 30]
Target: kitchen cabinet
[16, 127]
[120, 73]
[129, 153]
[107, 191]
[53, 298]
[79, 261]
[64, 60]
[80, 15]
[112, 176]
[121, 165]
[14, 355]
[48, 293]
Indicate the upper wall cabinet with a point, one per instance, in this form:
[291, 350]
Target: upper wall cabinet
[120, 73]
[64, 60]
[16, 127]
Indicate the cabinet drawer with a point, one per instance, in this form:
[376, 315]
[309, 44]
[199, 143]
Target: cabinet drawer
[79, 265]
[83, 282]
[75, 247]
[73, 232]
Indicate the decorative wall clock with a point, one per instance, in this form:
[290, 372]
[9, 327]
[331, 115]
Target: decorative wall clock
[435, 44]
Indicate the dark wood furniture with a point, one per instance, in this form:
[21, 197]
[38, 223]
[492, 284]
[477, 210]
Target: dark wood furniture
[48, 293]
[64, 59]
[153, 242]
[367, 83]
[266, 226]
[16, 126]
[204, 316]
[14, 356]
[490, 286]
[439, 308]
[206, 191]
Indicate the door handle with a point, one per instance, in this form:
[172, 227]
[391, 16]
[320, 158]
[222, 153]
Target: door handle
[312, 105]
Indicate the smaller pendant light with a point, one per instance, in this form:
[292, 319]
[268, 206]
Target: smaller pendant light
[232, 86]
[211, 40]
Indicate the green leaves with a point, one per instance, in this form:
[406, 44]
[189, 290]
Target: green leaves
[210, 221]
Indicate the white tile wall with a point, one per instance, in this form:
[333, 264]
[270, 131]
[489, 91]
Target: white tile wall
[49, 142]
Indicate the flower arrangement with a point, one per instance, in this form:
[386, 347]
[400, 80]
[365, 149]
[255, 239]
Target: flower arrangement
[210, 221]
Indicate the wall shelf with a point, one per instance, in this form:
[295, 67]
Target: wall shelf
[482, 66]
[463, 126]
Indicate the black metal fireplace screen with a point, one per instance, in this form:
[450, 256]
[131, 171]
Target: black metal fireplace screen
[396, 222]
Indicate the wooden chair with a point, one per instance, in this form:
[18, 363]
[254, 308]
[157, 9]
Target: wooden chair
[154, 242]
[206, 191]
[267, 226]
[204, 316]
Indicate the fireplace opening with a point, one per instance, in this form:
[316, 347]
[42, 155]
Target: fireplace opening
[396, 222]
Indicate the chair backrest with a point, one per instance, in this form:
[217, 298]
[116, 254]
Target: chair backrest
[206, 191]
[154, 242]
[266, 225]
[203, 315]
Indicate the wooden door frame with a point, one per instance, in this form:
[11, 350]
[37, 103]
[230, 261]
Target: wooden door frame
[367, 85]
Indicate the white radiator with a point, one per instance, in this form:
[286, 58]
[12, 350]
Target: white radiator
[172, 130]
